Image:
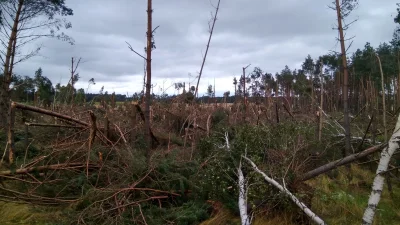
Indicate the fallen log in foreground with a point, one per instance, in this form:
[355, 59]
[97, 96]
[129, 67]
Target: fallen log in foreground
[340, 162]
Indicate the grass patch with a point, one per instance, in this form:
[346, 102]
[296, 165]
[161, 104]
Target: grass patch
[15, 213]
[224, 216]
[343, 199]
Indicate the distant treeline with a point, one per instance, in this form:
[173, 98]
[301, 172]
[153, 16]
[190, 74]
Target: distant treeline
[95, 97]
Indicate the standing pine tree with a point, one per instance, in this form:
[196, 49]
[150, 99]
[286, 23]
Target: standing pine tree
[343, 9]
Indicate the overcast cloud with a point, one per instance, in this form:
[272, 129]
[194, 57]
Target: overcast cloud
[266, 33]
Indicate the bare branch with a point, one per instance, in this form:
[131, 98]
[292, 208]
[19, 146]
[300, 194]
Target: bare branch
[130, 47]
[154, 30]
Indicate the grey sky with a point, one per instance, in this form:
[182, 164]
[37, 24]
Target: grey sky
[266, 33]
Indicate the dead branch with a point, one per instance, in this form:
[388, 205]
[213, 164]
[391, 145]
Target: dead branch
[287, 110]
[130, 48]
[120, 132]
[52, 125]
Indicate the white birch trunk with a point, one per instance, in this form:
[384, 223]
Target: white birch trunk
[244, 217]
[242, 199]
[283, 189]
[377, 186]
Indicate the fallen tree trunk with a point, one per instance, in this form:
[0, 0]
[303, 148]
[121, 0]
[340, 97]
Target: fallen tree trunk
[45, 168]
[332, 165]
[316, 219]
[49, 113]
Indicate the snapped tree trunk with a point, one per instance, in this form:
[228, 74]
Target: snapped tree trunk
[345, 82]
[377, 186]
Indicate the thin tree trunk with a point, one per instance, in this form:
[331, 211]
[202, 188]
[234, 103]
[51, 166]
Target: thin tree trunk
[235, 93]
[92, 136]
[377, 186]
[10, 140]
[72, 81]
[148, 82]
[383, 98]
[345, 83]
[244, 94]
[312, 93]
[398, 81]
[205, 55]
[321, 106]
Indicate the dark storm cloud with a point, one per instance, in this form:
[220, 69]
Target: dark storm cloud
[266, 33]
